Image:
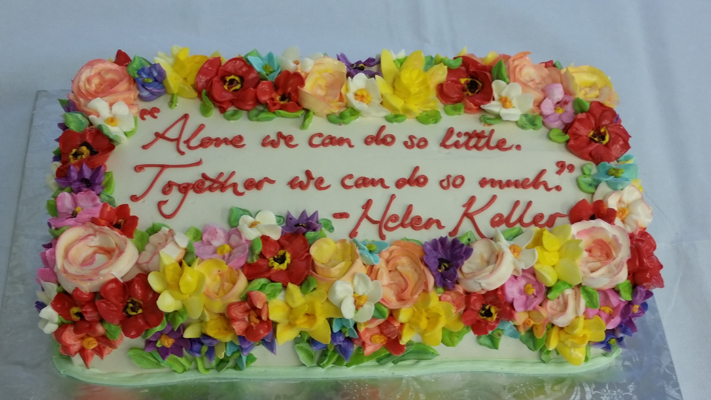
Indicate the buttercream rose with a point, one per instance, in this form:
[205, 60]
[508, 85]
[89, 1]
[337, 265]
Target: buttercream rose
[532, 77]
[166, 240]
[323, 91]
[590, 84]
[87, 256]
[334, 261]
[607, 249]
[223, 285]
[103, 79]
[565, 308]
[402, 274]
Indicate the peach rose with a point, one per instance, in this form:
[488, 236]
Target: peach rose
[607, 249]
[565, 308]
[167, 241]
[334, 261]
[590, 84]
[324, 88]
[103, 79]
[87, 256]
[401, 274]
[532, 77]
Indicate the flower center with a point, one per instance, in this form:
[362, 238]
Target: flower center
[635, 308]
[89, 343]
[147, 80]
[471, 86]
[506, 102]
[559, 110]
[78, 154]
[253, 318]
[360, 300]
[379, 339]
[515, 250]
[232, 83]
[253, 224]
[622, 213]
[359, 67]
[75, 312]
[224, 249]
[527, 323]
[133, 307]
[119, 224]
[76, 212]
[529, 289]
[281, 260]
[443, 265]
[111, 121]
[613, 341]
[606, 310]
[616, 172]
[488, 312]
[363, 96]
[601, 136]
[371, 247]
[86, 182]
[284, 98]
[166, 341]
[267, 69]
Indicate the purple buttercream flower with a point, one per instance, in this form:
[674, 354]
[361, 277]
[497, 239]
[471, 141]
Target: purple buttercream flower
[83, 178]
[150, 82]
[368, 67]
[246, 346]
[305, 223]
[75, 209]
[638, 306]
[47, 274]
[343, 345]
[612, 338]
[525, 292]
[207, 342]
[444, 257]
[167, 342]
[557, 108]
[39, 306]
[229, 246]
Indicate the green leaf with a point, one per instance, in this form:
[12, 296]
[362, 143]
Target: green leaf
[286, 114]
[395, 118]
[155, 228]
[359, 358]
[140, 238]
[592, 300]
[200, 363]
[326, 224]
[586, 184]
[136, 64]
[491, 340]
[499, 72]
[558, 136]
[308, 117]
[64, 103]
[272, 290]
[108, 183]
[380, 312]
[429, 63]
[531, 341]
[557, 64]
[468, 238]
[306, 354]
[545, 355]
[132, 131]
[206, 106]
[235, 214]
[454, 109]
[256, 284]
[254, 249]
[57, 232]
[557, 289]
[178, 364]
[244, 362]
[173, 101]
[312, 237]
[625, 290]
[189, 256]
[530, 122]
[232, 115]
[52, 208]
[487, 119]
[327, 358]
[512, 233]
[194, 234]
[280, 219]
[587, 353]
[176, 318]
[412, 240]
[158, 328]
[260, 114]
[429, 117]
[452, 64]
[143, 360]
[106, 198]
[580, 106]
[75, 121]
[57, 152]
[388, 357]
[309, 285]
[419, 351]
[588, 169]
[112, 331]
[452, 339]
[223, 364]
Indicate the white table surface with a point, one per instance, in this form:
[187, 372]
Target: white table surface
[656, 52]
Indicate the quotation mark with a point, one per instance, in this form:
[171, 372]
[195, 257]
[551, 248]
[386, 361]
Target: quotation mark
[563, 166]
[153, 113]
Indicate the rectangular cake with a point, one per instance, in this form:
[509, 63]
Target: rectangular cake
[276, 217]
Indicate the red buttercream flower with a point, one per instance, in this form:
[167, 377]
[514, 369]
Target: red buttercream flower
[79, 308]
[584, 211]
[470, 84]
[250, 318]
[122, 58]
[86, 344]
[386, 333]
[483, 312]
[283, 93]
[230, 84]
[644, 268]
[598, 135]
[285, 261]
[90, 146]
[119, 219]
[130, 304]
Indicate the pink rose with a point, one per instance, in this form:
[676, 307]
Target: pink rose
[87, 256]
[166, 241]
[532, 77]
[565, 308]
[607, 249]
[323, 90]
[401, 274]
[106, 80]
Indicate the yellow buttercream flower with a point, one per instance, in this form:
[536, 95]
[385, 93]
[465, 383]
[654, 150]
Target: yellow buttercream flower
[179, 286]
[223, 284]
[409, 90]
[571, 341]
[299, 312]
[180, 70]
[535, 319]
[334, 261]
[558, 255]
[219, 327]
[590, 84]
[427, 317]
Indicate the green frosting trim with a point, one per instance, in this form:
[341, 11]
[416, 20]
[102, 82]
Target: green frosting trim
[107, 198]
[452, 339]
[492, 340]
[545, 355]
[232, 115]
[52, 208]
[311, 237]
[173, 101]
[140, 239]
[558, 136]
[380, 312]
[151, 331]
[112, 331]
[156, 227]
[327, 358]
[454, 109]
[625, 290]
[75, 121]
[222, 364]
[309, 285]
[326, 224]
[286, 114]
[176, 318]
[588, 169]
[178, 364]
[531, 341]
[279, 219]
[468, 238]
[586, 184]
[254, 249]
[580, 106]
[143, 360]
[412, 240]
[512, 233]
[206, 107]
[194, 234]
[557, 64]
[108, 183]
[235, 214]
[307, 355]
[429, 117]
[200, 363]
[452, 63]
[419, 352]
[395, 118]
[56, 233]
[499, 72]
[132, 131]
[487, 119]
[557, 289]
[345, 117]
[592, 300]
[136, 64]
[260, 114]
[308, 117]
[530, 122]
[359, 358]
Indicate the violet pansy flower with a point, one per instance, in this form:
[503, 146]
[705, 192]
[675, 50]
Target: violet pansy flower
[612, 338]
[83, 178]
[167, 342]
[229, 246]
[525, 292]
[75, 209]
[246, 346]
[444, 257]
[368, 66]
[343, 345]
[150, 82]
[557, 108]
[205, 342]
[304, 223]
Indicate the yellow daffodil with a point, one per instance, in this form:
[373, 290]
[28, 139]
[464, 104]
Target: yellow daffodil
[590, 84]
[216, 325]
[571, 341]
[409, 90]
[558, 255]
[427, 317]
[299, 312]
[535, 319]
[178, 286]
[180, 69]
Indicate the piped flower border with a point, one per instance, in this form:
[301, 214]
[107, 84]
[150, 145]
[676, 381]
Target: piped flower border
[206, 297]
